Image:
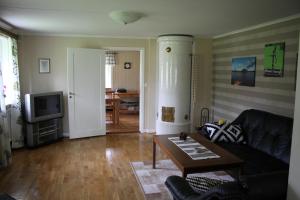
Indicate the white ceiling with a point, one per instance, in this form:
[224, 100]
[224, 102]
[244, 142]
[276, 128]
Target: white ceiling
[90, 17]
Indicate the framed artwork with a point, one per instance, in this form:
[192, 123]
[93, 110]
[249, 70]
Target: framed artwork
[243, 71]
[127, 65]
[274, 59]
[44, 65]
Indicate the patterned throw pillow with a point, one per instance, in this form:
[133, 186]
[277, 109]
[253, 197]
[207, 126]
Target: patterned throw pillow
[203, 184]
[210, 129]
[225, 133]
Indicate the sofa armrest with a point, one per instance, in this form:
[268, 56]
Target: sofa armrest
[266, 186]
[6, 197]
[180, 189]
[226, 191]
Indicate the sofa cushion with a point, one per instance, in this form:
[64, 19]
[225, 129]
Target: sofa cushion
[209, 129]
[227, 132]
[267, 132]
[256, 161]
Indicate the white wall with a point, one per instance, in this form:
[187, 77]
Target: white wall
[127, 78]
[294, 176]
[31, 48]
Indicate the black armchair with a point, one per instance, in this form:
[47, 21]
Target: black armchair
[254, 187]
[6, 197]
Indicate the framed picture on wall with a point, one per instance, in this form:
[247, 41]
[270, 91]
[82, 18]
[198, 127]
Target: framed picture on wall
[44, 65]
[127, 65]
[274, 59]
[243, 71]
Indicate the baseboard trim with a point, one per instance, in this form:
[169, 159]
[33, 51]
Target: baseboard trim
[66, 134]
[148, 131]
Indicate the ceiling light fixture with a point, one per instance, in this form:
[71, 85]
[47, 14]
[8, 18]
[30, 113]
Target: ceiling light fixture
[125, 17]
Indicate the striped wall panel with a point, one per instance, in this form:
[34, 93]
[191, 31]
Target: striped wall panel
[196, 82]
[201, 79]
[276, 95]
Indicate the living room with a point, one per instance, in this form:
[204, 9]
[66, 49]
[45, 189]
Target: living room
[99, 167]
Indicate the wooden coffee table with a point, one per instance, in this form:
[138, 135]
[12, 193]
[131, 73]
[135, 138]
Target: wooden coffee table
[186, 164]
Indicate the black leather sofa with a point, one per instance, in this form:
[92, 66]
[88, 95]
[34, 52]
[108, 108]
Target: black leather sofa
[6, 197]
[266, 156]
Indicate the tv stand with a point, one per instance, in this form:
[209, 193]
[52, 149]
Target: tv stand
[43, 132]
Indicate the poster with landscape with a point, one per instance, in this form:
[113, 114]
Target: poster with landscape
[243, 71]
[274, 59]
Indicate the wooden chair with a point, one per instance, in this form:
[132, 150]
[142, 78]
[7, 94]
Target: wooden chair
[110, 108]
[109, 91]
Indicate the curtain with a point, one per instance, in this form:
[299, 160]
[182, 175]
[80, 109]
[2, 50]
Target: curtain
[13, 102]
[5, 146]
[5, 139]
[110, 58]
[10, 90]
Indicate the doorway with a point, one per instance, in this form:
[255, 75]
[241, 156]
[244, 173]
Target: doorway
[124, 74]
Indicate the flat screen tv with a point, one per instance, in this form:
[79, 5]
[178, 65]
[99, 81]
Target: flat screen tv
[43, 106]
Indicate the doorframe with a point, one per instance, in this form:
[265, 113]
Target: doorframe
[142, 81]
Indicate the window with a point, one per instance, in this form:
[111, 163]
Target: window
[108, 76]
[110, 61]
[4, 62]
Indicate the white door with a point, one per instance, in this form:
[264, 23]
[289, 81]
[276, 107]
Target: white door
[86, 92]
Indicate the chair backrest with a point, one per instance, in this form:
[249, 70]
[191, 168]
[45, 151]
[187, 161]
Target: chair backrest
[109, 100]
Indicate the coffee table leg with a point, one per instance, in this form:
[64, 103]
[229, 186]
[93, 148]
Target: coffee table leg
[154, 154]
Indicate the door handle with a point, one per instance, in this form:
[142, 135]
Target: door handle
[71, 94]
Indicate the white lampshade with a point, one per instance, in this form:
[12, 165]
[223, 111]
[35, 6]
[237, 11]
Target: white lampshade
[125, 17]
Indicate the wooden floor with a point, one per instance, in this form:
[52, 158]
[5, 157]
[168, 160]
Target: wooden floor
[83, 169]
[129, 123]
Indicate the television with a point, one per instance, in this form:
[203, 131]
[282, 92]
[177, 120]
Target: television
[43, 106]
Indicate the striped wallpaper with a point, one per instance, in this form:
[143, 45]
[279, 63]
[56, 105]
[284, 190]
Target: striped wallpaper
[276, 95]
[201, 79]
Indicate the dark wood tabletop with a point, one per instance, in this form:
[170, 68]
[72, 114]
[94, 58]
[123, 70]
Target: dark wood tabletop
[186, 164]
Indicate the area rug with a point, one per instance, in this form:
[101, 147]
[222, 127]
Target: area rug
[152, 181]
